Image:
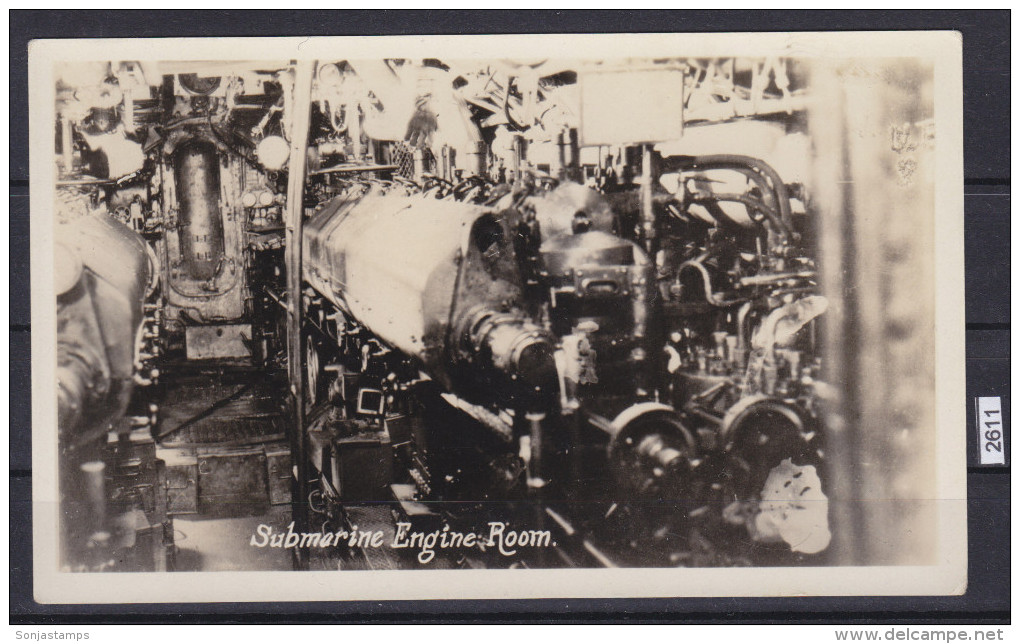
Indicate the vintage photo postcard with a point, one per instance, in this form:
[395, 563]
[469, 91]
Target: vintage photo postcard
[547, 316]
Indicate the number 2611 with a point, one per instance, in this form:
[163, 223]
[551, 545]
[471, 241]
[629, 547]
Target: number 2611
[990, 425]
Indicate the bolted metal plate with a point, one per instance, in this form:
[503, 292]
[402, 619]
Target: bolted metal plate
[182, 481]
[217, 341]
[278, 464]
[233, 484]
[363, 466]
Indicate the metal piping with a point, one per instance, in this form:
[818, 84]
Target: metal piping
[747, 166]
[300, 118]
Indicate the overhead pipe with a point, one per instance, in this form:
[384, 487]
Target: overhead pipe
[739, 163]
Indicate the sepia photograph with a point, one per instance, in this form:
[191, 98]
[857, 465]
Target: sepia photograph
[482, 317]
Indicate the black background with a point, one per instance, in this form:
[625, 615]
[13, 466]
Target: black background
[986, 81]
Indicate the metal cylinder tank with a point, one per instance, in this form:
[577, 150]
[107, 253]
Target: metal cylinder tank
[393, 262]
[436, 279]
[197, 179]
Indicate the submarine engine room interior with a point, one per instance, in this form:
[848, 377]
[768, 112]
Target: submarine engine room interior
[554, 313]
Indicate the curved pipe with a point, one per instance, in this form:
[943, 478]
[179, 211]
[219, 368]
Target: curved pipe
[753, 204]
[727, 162]
[713, 298]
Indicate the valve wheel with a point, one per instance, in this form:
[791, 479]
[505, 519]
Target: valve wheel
[762, 433]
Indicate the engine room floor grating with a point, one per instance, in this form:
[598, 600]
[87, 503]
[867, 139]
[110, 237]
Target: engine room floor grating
[223, 408]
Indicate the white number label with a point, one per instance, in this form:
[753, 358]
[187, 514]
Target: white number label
[991, 433]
